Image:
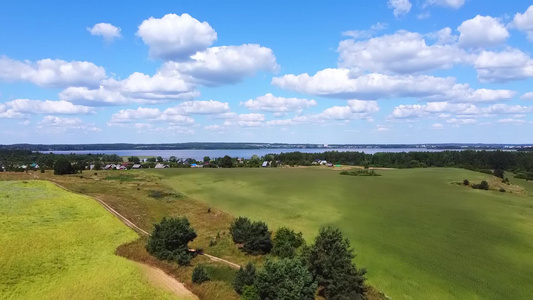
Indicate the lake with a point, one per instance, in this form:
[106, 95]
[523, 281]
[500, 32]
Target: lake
[242, 153]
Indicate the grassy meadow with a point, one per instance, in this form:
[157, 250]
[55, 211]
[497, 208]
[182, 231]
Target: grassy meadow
[419, 235]
[59, 245]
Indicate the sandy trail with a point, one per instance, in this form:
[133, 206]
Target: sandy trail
[165, 281]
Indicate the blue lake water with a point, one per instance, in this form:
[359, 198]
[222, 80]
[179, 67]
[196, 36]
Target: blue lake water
[242, 153]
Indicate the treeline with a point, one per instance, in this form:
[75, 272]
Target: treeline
[13, 160]
[515, 161]
[293, 270]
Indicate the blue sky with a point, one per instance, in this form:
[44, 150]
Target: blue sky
[384, 71]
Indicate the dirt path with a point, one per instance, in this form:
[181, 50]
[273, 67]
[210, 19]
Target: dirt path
[165, 281]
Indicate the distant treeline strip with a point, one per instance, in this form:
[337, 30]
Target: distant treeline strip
[516, 161]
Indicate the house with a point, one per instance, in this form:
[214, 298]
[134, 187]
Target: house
[34, 166]
[137, 166]
[119, 167]
[196, 166]
[265, 164]
[161, 166]
[91, 167]
[323, 162]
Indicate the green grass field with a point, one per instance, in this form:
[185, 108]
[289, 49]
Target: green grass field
[59, 245]
[419, 235]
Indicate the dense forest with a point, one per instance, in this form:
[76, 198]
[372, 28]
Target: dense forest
[516, 161]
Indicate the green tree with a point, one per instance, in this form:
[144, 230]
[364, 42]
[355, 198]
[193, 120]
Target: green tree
[259, 240]
[285, 279]
[330, 262]
[97, 166]
[63, 166]
[199, 274]
[134, 159]
[207, 159]
[285, 242]
[169, 240]
[245, 277]
[173, 159]
[226, 162]
[160, 159]
[240, 229]
[250, 293]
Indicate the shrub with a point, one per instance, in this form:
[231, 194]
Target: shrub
[481, 186]
[502, 190]
[259, 241]
[285, 243]
[169, 240]
[245, 277]
[240, 229]
[285, 279]
[499, 173]
[466, 182]
[255, 236]
[249, 293]
[199, 275]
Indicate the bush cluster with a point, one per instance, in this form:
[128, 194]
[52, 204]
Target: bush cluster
[254, 236]
[364, 172]
[169, 240]
[199, 274]
[481, 186]
[286, 242]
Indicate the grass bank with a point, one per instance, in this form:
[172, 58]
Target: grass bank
[419, 235]
[59, 245]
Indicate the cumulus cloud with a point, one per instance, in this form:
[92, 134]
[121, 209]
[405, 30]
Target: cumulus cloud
[482, 31]
[224, 65]
[137, 88]
[175, 37]
[458, 122]
[64, 124]
[511, 121]
[199, 107]
[271, 103]
[9, 113]
[506, 65]
[402, 52]
[433, 109]
[52, 72]
[437, 126]
[524, 22]
[367, 33]
[355, 110]
[26, 106]
[527, 96]
[148, 114]
[455, 4]
[400, 7]
[340, 83]
[105, 30]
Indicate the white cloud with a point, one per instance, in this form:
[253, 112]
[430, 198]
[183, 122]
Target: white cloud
[355, 110]
[367, 33]
[340, 83]
[137, 88]
[459, 122]
[524, 22]
[105, 30]
[224, 65]
[148, 114]
[47, 107]
[52, 72]
[444, 36]
[63, 124]
[9, 113]
[527, 96]
[401, 52]
[175, 37]
[382, 128]
[437, 126]
[455, 4]
[506, 65]
[400, 7]
[444, 109]
[482, 31]
[271, 103]
[199, 107]
[511, 121]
